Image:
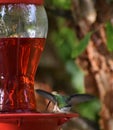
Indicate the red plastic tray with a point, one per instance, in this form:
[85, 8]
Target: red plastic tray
[34, 121]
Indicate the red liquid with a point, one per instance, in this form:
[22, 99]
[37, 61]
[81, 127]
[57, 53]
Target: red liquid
[19, 58]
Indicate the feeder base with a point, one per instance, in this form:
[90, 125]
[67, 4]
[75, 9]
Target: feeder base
[35, 121]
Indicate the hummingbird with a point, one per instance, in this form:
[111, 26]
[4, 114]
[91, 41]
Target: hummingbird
[63, 104]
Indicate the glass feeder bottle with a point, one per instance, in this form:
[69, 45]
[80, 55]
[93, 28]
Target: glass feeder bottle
[23, 30]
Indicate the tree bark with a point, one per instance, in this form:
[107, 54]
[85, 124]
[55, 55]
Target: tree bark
[96, 61]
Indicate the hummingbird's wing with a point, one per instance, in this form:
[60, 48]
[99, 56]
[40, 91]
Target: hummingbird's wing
[78, 98]
[47, 95]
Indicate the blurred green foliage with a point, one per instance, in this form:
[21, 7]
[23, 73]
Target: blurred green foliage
[64, 40]
[89, 110]
[69, 47]
[66, 43]
[109, 1]
[109, 34]
[77, 76]
[64, 4]
[81, 46]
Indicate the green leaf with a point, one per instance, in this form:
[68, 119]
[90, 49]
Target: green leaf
[64, 40]
[77, 76]
[60, 4]
[109, 34]
[89, 109]
[64, 4]
[81, 46]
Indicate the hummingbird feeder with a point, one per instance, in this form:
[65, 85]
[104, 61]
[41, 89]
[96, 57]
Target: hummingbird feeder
[23, 31]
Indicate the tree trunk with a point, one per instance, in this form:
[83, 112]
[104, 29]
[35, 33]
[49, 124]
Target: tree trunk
[96, 61]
